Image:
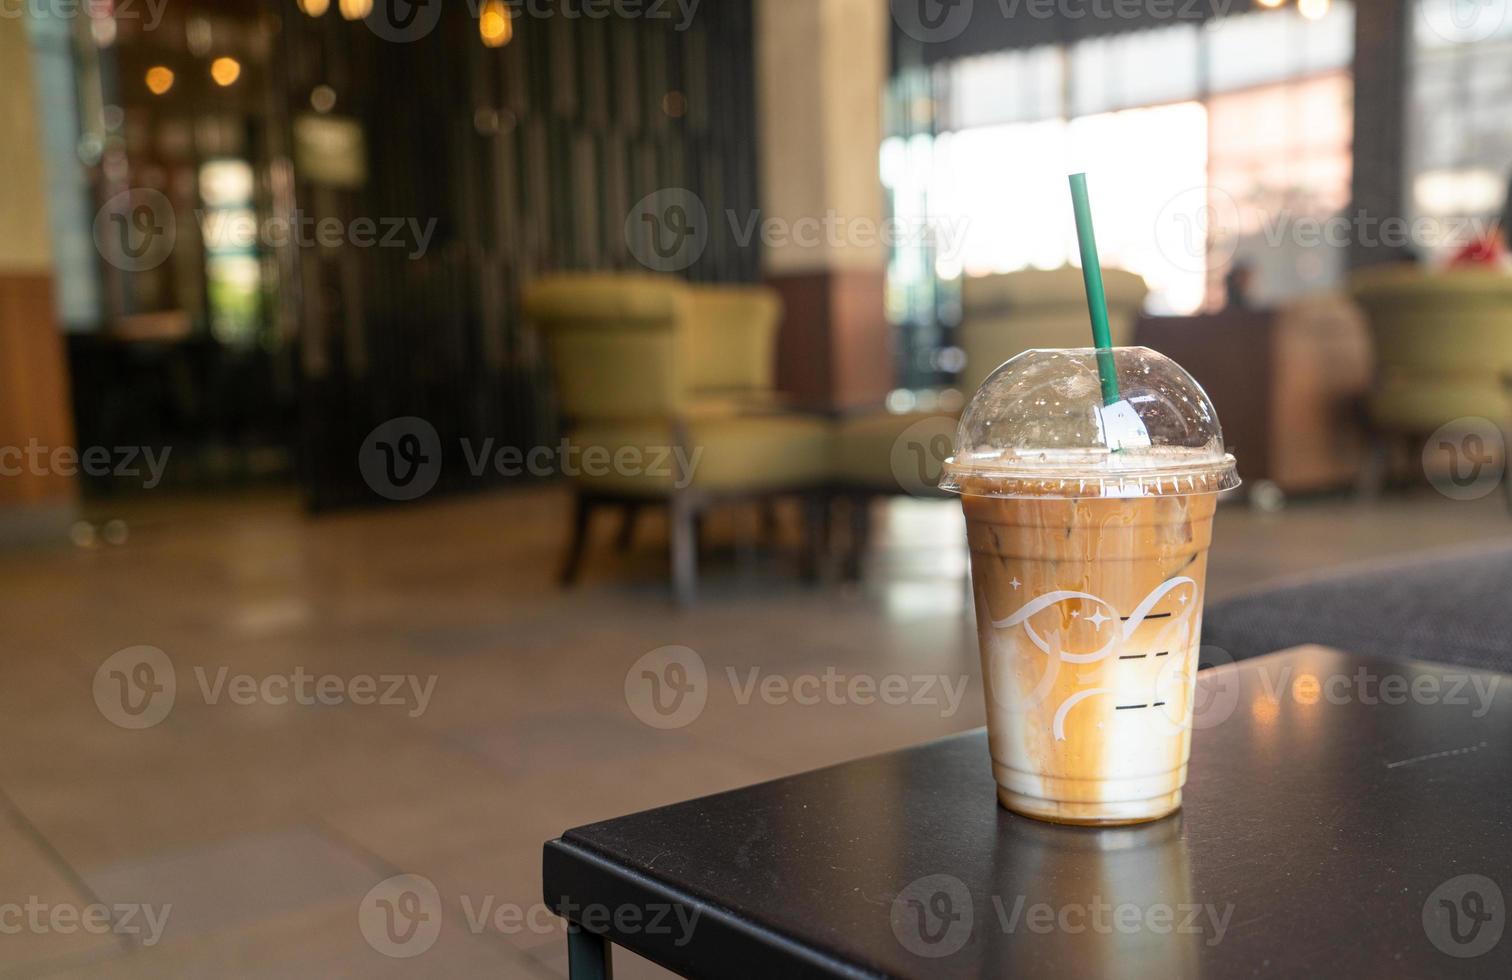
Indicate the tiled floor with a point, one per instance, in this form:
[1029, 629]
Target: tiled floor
[269, 827]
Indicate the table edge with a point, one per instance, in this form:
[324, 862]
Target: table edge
[758, 950]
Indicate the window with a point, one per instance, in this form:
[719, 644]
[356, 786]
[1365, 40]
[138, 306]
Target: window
[999, 201]
[1459, 147]
[1279, 168]
[1200, 141]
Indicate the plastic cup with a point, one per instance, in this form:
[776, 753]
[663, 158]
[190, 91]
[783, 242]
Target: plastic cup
[1089, 550]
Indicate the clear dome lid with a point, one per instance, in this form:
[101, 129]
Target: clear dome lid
[1038, 427]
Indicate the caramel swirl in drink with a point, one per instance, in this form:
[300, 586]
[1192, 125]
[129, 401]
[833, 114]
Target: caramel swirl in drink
[1088, 567]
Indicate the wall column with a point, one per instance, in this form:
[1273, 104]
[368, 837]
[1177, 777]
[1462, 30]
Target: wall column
[1382, 66]
[821, 72]
[34, 399]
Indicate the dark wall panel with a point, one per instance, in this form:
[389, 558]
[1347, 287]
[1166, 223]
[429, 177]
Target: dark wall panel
[528, 158]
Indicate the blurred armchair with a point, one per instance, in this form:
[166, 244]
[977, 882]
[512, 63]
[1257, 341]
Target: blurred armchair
[656, 376]
[1443, 351]
[1007, 314]
[732, 345]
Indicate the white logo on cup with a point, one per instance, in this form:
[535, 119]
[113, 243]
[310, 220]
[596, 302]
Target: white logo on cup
[1113, 630]
[1465, 916]
[932, 917]
[400, 916]
[135, 230]
[668, 229]
[919, 453]
[1465, 458]
[668, 687]
[1197, 228]
[135, 687]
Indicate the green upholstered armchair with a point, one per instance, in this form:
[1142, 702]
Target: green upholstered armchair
[1443, 351]
[732, 346]
[656, 376]
[1005, 315]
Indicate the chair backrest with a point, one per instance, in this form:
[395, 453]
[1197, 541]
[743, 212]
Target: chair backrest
[618, 343]
[1458, 321]
[1443, 344]
[733, 339]
[1005, 315]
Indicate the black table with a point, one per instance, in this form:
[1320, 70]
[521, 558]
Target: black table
[1326, 832]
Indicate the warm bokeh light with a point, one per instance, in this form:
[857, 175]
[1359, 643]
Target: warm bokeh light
[495, 25]
[1271, 3]
[1313, 9]
[322, 98]
[159, 79]
[1306, 689]
[315, 8]
[355, 9]
[225, 71]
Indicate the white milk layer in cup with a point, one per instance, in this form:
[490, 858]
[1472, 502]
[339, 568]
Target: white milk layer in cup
[1089, 526]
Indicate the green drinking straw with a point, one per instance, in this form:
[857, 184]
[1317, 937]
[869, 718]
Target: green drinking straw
[1097, 300]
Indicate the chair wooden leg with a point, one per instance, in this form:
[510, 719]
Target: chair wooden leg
[860, 535]
[815, 534]
[771, 527]
[1406, 468]
[1375, 468]
[682, 537]
[581, 517]
[627, 527]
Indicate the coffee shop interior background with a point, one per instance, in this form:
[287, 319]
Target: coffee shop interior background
[491, 347]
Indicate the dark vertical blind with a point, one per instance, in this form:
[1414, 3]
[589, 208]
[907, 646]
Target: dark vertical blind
[529, 159]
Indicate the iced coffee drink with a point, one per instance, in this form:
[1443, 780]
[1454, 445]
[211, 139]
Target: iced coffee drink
[1089, 556]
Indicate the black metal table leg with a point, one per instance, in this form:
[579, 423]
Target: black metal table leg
[588, 955]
